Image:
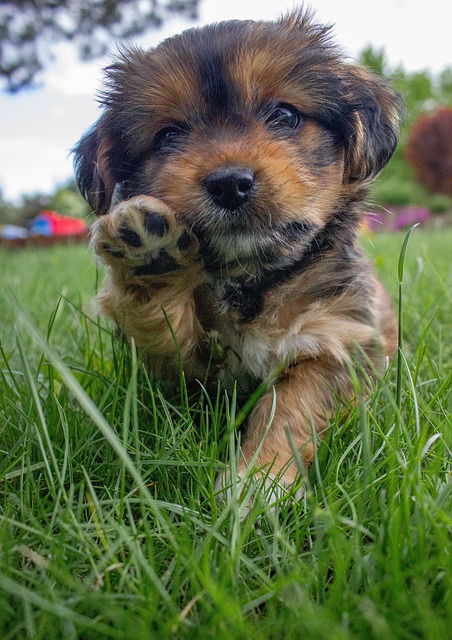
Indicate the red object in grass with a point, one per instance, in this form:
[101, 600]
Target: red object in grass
[49, 223]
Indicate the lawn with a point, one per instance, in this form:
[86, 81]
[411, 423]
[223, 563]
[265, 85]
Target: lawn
[109, 527]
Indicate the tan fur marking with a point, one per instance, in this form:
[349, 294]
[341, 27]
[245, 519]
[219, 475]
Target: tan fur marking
[304, 405]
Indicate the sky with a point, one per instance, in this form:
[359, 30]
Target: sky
[39, 127]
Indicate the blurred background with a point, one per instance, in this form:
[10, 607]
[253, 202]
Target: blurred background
[52, 54]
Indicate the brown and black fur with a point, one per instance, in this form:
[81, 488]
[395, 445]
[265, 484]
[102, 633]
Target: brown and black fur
[228, 171]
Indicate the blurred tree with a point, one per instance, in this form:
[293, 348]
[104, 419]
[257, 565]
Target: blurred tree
[68, 201]
[7, 210]
[419, 89]
[429, 150]
[445, 86]
[28, 27]
[31, 206]
[423, 91]
[65, 200]
[375, 59]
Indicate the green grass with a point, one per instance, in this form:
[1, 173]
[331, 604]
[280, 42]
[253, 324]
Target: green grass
[109, 527]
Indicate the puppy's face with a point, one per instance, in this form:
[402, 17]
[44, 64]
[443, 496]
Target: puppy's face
[255, 134]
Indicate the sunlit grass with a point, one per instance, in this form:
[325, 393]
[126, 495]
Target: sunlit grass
[109, 525]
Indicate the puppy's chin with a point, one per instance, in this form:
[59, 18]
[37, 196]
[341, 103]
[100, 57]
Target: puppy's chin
[251, 241]
[240, 247]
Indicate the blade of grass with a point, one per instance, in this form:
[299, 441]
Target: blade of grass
[400, 270]
[93, 412]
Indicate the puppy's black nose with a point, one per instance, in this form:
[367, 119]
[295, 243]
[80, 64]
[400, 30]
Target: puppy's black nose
[229, 187]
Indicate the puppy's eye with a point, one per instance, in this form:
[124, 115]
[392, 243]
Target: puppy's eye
[167, 138]
[284, 116]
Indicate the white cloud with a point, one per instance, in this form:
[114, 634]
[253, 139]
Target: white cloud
[39, 166]
[67, 75]
[37, 132]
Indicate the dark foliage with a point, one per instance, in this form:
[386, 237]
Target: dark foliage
[429, 150]
[28, 28]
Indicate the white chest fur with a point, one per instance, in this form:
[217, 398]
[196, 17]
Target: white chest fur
[263, 354]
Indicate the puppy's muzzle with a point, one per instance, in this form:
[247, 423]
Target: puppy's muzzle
[230, 187]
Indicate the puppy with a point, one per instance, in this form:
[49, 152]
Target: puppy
[228, 171]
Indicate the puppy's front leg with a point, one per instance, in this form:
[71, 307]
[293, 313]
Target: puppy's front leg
[307, 395]
[153, 270]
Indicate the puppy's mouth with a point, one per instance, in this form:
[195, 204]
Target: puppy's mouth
[249, 239]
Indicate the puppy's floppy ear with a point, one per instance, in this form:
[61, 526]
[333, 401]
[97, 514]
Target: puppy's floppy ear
[376, 110]
[93, 170]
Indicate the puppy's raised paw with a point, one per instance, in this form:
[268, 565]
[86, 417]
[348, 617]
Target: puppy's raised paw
[141, 237]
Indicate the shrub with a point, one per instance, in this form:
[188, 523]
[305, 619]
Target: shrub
[429, 150]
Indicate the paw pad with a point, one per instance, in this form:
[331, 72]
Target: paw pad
[130, 237]
[155, 224]
[142, 236]
[162, 263]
